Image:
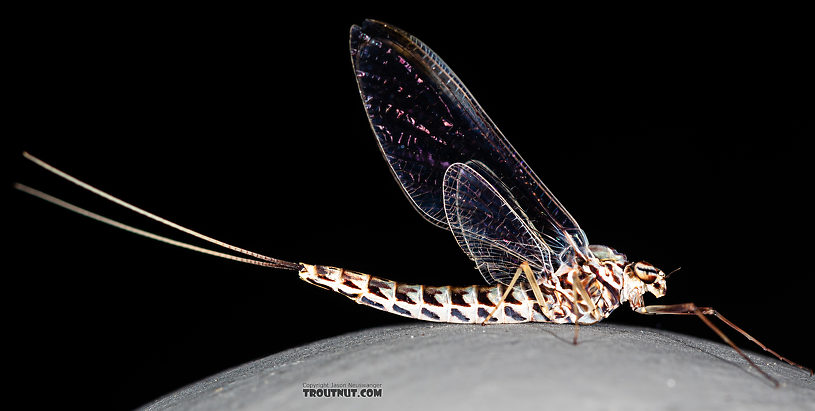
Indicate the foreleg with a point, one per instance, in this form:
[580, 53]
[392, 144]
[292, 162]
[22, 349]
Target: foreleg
[702, 312]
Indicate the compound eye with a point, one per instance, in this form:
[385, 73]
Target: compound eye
[646, 272]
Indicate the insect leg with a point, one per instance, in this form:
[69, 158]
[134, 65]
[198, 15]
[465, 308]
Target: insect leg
[580, 294]
[533, 283]
[702, 312]
[574, 297]
[506, 293]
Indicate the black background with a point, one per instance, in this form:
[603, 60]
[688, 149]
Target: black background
[675, 137]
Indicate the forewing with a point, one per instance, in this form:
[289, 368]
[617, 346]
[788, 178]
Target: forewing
[425, 120]
[488, 228]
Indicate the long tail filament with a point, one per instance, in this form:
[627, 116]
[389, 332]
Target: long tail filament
[258, 259]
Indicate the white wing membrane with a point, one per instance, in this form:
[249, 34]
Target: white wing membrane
[425, 120]
[489, 230]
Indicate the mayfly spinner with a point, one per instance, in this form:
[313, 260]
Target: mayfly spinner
[461, 174]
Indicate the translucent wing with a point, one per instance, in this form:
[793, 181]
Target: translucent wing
[487, 226]
[425, 120]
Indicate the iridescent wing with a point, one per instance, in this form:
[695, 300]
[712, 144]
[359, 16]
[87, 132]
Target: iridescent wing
[489, 229]
[425, 120]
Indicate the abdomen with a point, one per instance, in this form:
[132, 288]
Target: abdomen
[470, 304]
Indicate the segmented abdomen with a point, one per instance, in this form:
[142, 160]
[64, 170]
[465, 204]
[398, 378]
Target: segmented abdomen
[443, 304]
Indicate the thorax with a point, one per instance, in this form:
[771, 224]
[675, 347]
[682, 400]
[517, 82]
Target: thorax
[603, 283]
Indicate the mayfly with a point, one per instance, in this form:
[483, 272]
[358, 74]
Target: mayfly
[461, 174]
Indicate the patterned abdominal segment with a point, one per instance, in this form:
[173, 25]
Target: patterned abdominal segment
[470, 304]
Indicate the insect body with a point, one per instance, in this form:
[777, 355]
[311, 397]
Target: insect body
[461, 174]
[607, 284]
